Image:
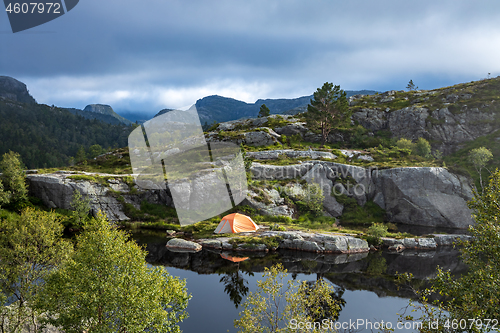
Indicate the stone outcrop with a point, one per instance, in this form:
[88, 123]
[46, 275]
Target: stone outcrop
[272, 172]
[414, 196]
[259, 137]
[423, 243]
[179, 244]
[448, 130]
[56, 191]
[424, 196]
[275, 154]
[14, 90]
[275, 207]
[297, 240]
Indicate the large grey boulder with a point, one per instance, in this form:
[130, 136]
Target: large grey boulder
[425, 196]
[56, 191]
[259, 138]
[176, 244]
[292, 129]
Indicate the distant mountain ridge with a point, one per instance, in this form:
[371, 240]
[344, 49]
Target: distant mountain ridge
[220, 109]
[101, 112]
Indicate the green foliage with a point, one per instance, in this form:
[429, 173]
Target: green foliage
[117, 162]
[328, 109]
[148, 212]
[81, 155]
[247, 162]
[479, 157]
[83, 177]
[95, 150]
[356, 214]
[375, 231]
[264, 111]
[312, 201]
[475, 294]
[108, 287]
[47, 137]
[273, 218]
[276, 304]
[405, 144]
[30, 247]
[250, 242]
[81, 209]
[13, 177]
[203, 229]
[423, 148]
[314, 198]
[4, 196]
[276, 121]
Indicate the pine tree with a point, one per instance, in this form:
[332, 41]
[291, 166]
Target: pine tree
[327, 110]
[264, 111]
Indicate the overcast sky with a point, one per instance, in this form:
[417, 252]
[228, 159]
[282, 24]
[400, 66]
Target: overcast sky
[148, 55]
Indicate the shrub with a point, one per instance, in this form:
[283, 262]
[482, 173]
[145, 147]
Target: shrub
[405, 144]
[377, 230]
[13, 177]
[423, 148]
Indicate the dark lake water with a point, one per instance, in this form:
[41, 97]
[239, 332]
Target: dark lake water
[364, 281]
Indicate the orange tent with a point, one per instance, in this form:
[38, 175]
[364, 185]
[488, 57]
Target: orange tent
[234, 223]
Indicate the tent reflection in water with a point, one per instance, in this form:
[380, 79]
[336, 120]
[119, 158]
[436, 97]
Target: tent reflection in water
[234, 223]
[233, 258]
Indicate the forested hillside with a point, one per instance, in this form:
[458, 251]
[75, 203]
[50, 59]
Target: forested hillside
[48, 136]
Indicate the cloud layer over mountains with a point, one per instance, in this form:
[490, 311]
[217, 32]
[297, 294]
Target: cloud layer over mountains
[146, 56]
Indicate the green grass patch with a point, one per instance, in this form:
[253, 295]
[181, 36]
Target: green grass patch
[203, 229]
[356, 214]
[250, 241]
[83, 177]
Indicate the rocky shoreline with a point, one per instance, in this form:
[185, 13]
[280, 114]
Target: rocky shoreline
[314, 242]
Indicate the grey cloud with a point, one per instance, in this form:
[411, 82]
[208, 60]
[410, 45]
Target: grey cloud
[105, 49]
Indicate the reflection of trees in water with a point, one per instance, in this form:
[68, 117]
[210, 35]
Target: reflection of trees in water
[326, 311]
[235, 286]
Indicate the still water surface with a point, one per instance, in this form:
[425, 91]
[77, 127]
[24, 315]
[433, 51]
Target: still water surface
[364, 281]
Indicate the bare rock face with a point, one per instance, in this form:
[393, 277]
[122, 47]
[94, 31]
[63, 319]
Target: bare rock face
[56, 191]
[447, 129]
[371, 119]
[260, 138]
[408, 122]
[292, 129]
[424, 196]
[15, 90]
[415, 196]
[272, 172]
[454, 129]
